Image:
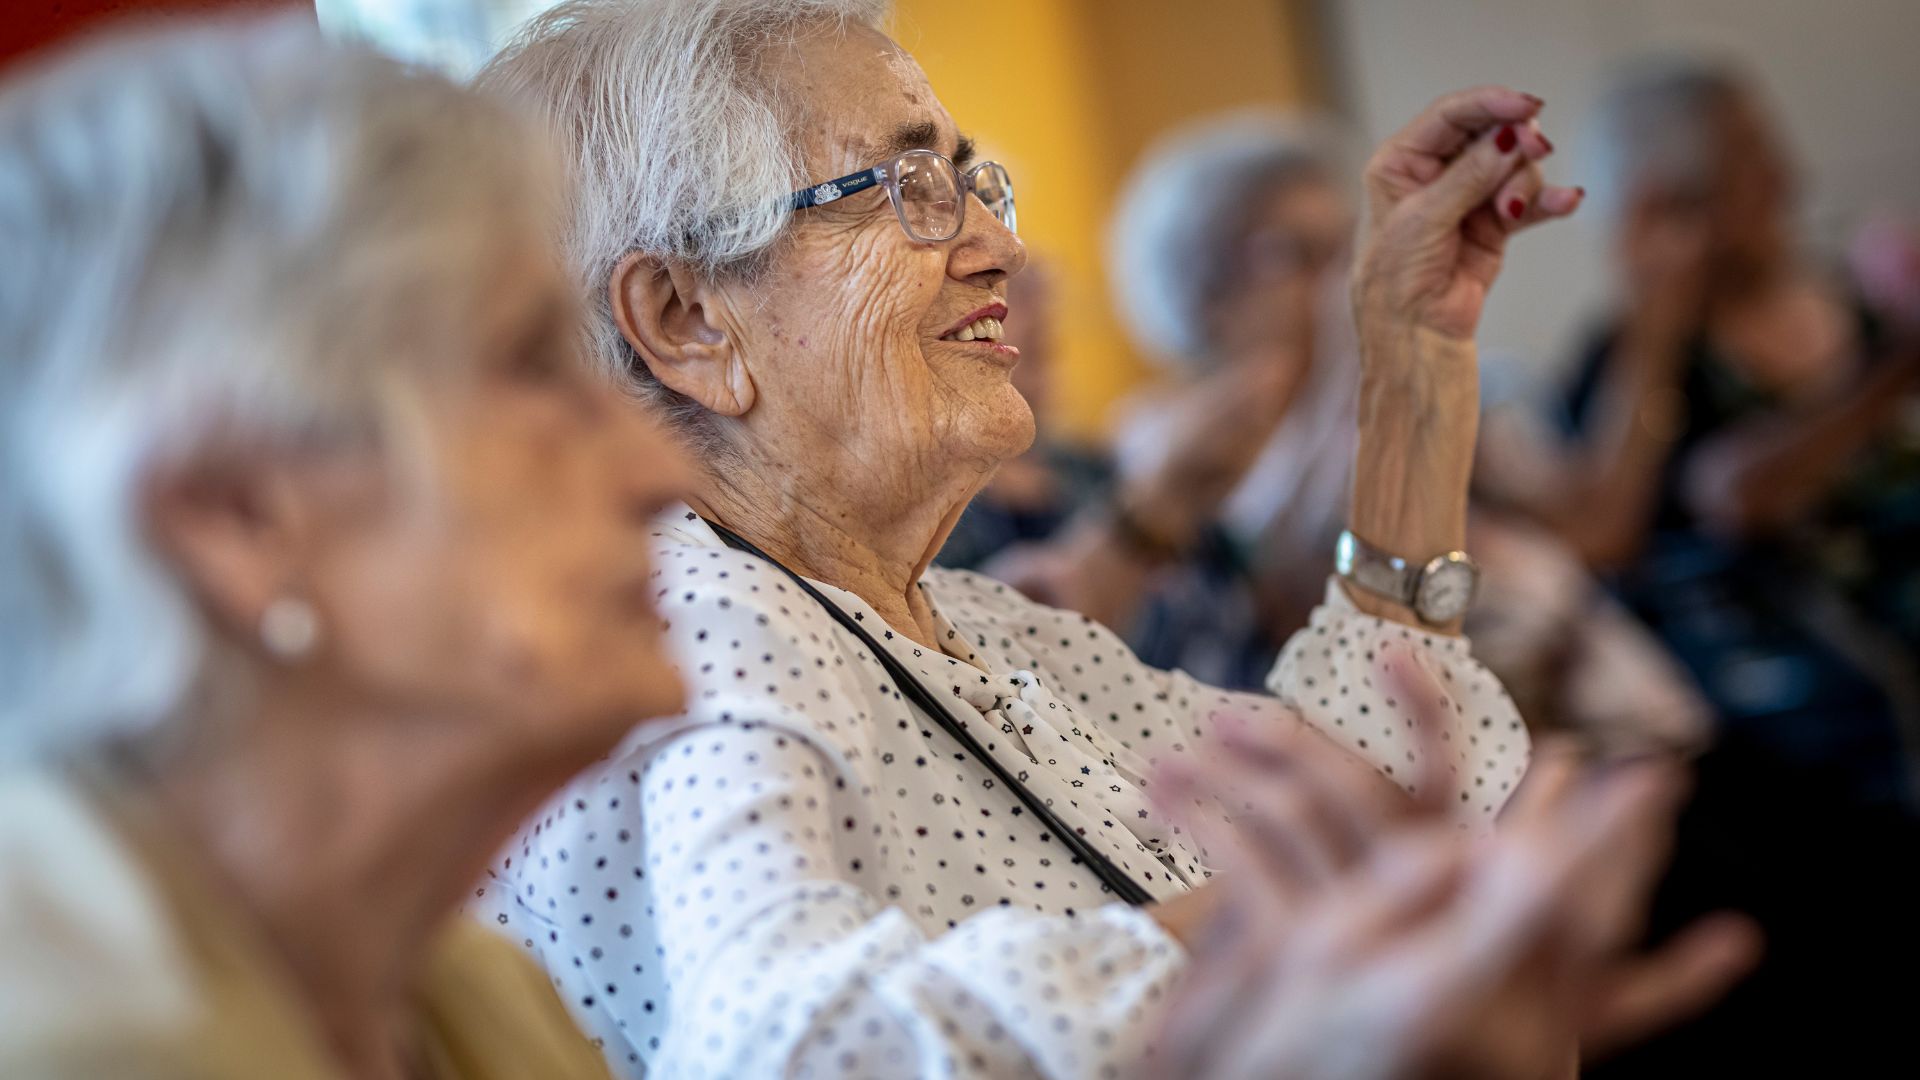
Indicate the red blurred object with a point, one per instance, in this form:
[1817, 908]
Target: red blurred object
[32, 25]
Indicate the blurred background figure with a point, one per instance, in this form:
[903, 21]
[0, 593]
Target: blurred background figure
[1738, 458]
[1736, 454]
[312, 528]
[1208, 534]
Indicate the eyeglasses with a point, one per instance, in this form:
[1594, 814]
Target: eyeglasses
[928, 191]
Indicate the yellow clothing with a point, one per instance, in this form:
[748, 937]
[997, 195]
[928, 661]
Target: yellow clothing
[118, 958]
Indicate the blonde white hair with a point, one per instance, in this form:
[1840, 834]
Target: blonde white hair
[677, 143]
[1173, 238]
[225, 238]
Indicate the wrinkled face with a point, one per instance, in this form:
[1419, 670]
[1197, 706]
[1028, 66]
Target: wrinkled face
[849, 337]
[503, 581]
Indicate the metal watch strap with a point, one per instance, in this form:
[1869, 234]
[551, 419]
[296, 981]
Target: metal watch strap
[1379, 572]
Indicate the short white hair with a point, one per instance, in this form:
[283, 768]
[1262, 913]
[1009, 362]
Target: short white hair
[227, 238]
[1171, 243]
[677, 144]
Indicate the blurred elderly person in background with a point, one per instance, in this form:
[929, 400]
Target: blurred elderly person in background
[1230, 252]
[1733, 454]
[901, 828]
[314, 535]
[1230, 264]
[1215, 536]
[1735, 463]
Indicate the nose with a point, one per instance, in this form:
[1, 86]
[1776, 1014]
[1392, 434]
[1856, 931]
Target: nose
[986, 252]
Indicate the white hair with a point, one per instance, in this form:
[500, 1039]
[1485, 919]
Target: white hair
[1171, 244]
[227, 238]
[677, 143]
[1653, 128]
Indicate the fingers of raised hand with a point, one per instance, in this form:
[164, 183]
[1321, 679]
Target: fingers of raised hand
[1188, 792]
[1684, 976]
[1587, 847]
[1549, 782]
[1411, 683]
[1280, 825]
[1527, 199]
[1214, 1007]
[1347, 798]
[1455, 120]
[1479, 172]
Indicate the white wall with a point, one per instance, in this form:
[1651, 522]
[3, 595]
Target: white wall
[1844, 74]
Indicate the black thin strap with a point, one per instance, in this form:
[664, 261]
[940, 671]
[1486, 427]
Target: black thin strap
[1103, 867]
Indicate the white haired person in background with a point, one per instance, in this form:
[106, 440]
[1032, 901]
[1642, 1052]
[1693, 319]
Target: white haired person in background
[313, 529]
[1229, 263]
[902, 828]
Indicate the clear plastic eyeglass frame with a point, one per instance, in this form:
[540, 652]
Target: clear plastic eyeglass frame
[928, 192]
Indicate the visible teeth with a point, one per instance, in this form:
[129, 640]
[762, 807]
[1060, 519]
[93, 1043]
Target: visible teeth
[982, 329]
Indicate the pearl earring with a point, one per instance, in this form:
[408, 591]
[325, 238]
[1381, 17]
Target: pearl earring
[290, 628]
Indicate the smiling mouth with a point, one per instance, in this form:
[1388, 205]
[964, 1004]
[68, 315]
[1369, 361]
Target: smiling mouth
[986, 328]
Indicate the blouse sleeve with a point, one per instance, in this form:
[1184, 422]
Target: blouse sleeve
[778, 965]
[1326, 675]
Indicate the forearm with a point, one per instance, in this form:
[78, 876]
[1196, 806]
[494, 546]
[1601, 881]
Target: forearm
[1603, 508]
[1763, 477]
[1606, 509]
[1415, 457]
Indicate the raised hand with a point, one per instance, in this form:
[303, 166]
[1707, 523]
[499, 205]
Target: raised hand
[1443, 194]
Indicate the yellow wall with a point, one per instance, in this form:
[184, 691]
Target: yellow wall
[1067, 93]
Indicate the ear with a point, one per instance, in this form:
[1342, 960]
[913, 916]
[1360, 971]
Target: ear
[674, 321]
[234, 531]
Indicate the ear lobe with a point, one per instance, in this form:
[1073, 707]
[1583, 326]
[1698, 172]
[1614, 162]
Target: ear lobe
[674, 321]
[228, 533]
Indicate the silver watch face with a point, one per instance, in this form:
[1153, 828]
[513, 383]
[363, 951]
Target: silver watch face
[1446, 589]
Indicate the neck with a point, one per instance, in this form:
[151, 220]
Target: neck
[869, 537]
[350, 837]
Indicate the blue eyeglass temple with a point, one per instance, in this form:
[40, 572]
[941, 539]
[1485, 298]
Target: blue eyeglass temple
[822, 194]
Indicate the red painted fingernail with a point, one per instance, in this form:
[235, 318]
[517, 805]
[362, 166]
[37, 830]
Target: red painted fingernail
[1580, 191]
[1546, 142]
[1516, 208]
[1535, 98]
[1506, 140]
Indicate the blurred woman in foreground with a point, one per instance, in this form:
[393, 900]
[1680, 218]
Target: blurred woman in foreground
[311, 527]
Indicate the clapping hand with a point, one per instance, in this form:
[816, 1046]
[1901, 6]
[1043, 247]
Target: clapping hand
[1362, 935]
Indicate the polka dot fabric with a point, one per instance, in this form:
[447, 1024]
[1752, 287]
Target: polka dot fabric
[805, 876]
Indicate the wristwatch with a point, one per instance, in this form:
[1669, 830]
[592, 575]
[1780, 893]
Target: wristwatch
[1438, 592]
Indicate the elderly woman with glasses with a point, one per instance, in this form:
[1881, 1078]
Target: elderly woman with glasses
[314, 532]
[901, 828]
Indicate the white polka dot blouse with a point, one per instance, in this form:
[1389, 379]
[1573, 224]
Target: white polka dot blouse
[804, 875]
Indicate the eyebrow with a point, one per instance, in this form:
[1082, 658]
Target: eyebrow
[920, 135]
